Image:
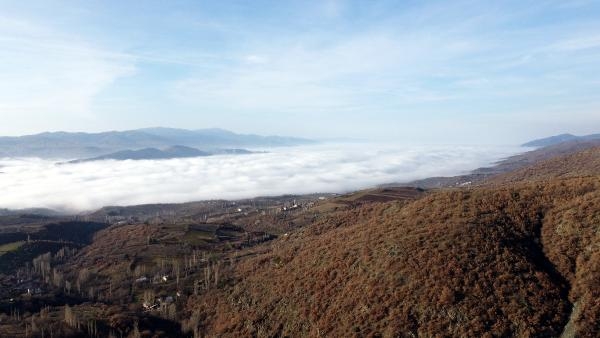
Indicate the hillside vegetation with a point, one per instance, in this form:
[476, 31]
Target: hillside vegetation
[583, 163]
[512, 260]
[516, 256]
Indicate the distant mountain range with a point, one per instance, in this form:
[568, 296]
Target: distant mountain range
[158, 154]
[90, 145]
[150, 153]
[552, 140]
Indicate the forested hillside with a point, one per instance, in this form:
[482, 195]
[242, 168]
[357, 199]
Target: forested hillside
[509, 261]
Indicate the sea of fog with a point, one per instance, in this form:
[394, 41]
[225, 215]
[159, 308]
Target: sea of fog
[38, 183]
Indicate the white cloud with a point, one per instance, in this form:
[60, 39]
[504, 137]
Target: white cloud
[39, 183]
[256, 59]
[435, 57]
[49, 77]
[308, 75]
[578, 43]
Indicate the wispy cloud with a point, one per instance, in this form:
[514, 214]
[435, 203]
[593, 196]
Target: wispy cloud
[308, 76]
[463, 58]
[52, 73]
[578, 43]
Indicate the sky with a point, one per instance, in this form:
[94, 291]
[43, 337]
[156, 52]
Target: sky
[419, 72]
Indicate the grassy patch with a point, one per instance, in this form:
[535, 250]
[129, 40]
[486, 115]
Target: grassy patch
[10, 247]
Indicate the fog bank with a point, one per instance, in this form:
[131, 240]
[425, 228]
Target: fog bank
[33, 183]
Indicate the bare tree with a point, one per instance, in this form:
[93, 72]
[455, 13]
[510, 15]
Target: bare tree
[70, 317]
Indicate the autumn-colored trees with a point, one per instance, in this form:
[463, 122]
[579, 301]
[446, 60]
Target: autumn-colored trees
[459, 262]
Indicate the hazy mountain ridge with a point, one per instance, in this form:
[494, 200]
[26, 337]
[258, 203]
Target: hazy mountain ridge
[148, 154]
[80, 145]
[552, 140]
[162, 154]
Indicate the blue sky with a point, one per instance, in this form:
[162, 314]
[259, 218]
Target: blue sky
[496, 72]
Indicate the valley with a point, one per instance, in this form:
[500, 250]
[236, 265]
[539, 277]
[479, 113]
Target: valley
[511, 255]
[283, 169]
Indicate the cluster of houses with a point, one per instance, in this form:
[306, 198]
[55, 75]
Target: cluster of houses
[158, 302]
[290, 208]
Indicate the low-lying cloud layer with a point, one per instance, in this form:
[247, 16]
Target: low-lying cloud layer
[33, 183]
